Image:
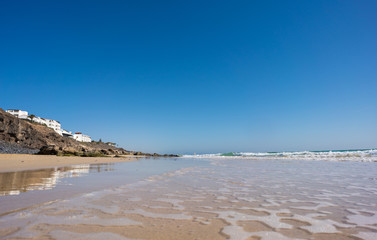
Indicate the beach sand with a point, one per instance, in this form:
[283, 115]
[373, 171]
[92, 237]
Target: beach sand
[18, 162]
[217, 199]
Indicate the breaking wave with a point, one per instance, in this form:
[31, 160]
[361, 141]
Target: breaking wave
[363, 155]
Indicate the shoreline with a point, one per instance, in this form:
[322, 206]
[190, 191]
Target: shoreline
[22, 162]
[161, 200]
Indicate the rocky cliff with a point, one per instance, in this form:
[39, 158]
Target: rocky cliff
[28, 135]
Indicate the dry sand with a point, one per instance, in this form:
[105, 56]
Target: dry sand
[17, 162]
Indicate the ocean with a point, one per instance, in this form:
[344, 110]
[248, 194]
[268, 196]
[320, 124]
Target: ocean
[362, 155]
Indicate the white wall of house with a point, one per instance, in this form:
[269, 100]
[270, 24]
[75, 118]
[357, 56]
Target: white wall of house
[65, 133]
[53, 124]
[18, 113]
[49, 123]
[78, 136]
[39, 120]
[81, 137]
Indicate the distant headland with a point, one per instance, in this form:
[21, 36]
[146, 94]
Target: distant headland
[30, 134]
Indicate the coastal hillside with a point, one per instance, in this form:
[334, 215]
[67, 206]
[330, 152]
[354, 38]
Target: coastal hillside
[22, 136]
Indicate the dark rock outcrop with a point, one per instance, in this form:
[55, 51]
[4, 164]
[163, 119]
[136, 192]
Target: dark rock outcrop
[14, 148]
[49, 150]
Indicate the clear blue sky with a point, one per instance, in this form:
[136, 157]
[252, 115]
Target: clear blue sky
[196, 76]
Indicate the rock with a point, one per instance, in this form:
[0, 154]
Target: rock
[23, 134]
[49, 150]
[14, 148]
[28, 137]
[105, 151]
[70, 151]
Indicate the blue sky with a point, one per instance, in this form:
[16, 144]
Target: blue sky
[196, 76]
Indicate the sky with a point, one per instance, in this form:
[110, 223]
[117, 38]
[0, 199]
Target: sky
[196, 76]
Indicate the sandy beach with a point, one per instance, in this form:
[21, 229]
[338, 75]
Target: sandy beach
[201, 199]
[18, 162]
[188, 120]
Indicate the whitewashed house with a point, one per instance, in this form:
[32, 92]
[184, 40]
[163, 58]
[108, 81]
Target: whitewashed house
[65, 133]
[53, 124]
[18, 113]
[78, 136]
[38, 120]
[49, 123]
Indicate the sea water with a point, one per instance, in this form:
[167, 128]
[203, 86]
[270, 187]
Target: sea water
[356, 155]
[203, 198]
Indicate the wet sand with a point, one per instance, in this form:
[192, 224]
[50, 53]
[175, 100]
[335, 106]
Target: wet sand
[18, 162]
[224, 199]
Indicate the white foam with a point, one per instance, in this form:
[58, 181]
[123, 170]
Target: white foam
[369, 155]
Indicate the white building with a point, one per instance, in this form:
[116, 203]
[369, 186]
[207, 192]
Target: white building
[65, 133]
[18, 113]
[53, 124]
[49, 123]
[78, 136]
[38, 120]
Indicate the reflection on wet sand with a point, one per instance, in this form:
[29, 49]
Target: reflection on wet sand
[222, 199]
[15, 183]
